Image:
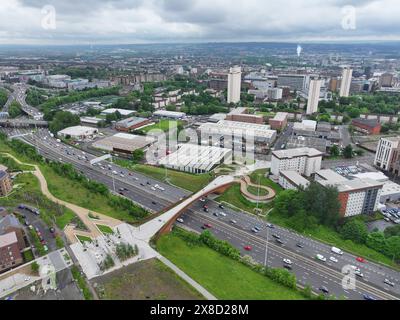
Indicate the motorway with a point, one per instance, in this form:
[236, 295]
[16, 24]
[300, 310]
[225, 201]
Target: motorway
[306, 268]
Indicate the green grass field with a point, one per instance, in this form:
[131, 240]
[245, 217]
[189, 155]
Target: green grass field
[84, 239]
[163, 125]
[105, 229]
[257, 191]
[259, 175]
[187, 181]
[223, 277]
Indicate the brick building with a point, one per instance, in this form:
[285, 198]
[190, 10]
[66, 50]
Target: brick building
[368, 126]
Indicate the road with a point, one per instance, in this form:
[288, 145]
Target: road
[307, 270]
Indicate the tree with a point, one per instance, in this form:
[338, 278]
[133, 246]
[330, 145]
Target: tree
[138, 155]
[376, 241]
[335, 152]
[62, 120]
[348, 152]
[355, 230]
[35, 267]
[14, 110]
[393, 247]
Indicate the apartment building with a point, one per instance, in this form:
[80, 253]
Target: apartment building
[10, 255]
[5, 184]
[305, 161]
[387, 153]
[291, 180]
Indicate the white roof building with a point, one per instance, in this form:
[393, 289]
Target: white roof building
[124, 143]
[196, 159]
[78, 132]
[169, 114]
[291, 180]
[123, 112]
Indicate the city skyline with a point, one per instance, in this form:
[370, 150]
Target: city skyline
[158, 21]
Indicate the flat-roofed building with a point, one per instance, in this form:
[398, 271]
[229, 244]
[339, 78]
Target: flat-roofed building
[368, 126]
[169, 114]
[10, 255]
[124, 143]
[195, 158]
[291, 180]
[242, 115]
[387, 154]
[130, 124]
[280, 121]
[238, 135]
[123, 112]
[356, 196]
[305, 161]
[5, 184]
[78, 133]
[309, 125]
[90, 121]
[293, 81]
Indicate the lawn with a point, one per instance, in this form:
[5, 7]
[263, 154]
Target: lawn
[260, 174]
[29, 193]
[187, 181]
[145, 280]
[223, 277]
[234, 197]
[331, 237]
[257, 191]
[73, 192]
[163, 125]
[12, 165]
[105, 229]
[28, 256]
[84, 239]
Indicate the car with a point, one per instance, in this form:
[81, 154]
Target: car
[45, 248]
[300, 245]
[248, 248]
[26, 222]
[287, 261]
[233, 222]
[121, 193]
[206, 210]
[216, 214]
[362, 260]
[333, 259]
[221, 207]
[368, 297]
[257, 228]
[180, 220]
[271, 226]
[148, 183]
[320, 257]
[153, 189]
[388, 282]
[202, 200]
[359, 274]
[276, 236]
[122, 176]
[288, 266]
[208, 226]
[254, 230]
[205, 207]
[142, 184]
[279, 241]
[222, 214]
[154, 203]
[52, 230]
[324, 289]
[387, 219]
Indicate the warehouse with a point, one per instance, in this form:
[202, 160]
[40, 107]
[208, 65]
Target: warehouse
[123, 143]
[130, 124]
[123, 112]
[238, 134]
[169, 114]
[196, 159]
[78, 133]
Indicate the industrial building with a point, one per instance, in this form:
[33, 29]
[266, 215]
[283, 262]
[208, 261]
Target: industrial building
[242, 115]
[78, 133]
[123, 112]
[367, 126]
[124, 143]
[238, 135]
[305, 161]
[130, 124]
[196, 159]
[291, 180]
[169, 114]
[90, 121]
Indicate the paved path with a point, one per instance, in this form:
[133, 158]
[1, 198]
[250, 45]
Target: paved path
[245, 183]
[185, 277]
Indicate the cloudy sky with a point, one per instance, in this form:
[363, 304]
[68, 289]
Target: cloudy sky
[144, 21]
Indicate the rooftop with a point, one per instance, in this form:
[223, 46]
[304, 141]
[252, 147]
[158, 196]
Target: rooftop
[8, 239]
[353, 185]
[300, 152]
[295, 178]
[130, 122]
[331, 176]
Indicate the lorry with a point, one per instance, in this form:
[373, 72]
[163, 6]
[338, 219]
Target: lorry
[337, 251]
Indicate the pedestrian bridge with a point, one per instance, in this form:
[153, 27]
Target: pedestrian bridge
[163, 224]
[6, 123]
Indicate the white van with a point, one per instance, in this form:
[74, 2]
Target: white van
[320, 257]
[337, 251]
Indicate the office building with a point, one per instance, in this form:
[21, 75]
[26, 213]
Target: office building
[346, 82]
[386, 80]
[305, 161]
[234, 84]
[313, 96]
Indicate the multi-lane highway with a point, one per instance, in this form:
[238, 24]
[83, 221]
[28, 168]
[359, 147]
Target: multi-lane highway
[235, 227]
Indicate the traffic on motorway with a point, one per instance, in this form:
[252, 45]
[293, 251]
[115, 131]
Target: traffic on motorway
[313, 263]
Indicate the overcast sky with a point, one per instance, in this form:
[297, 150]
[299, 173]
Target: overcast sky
[142, 21]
